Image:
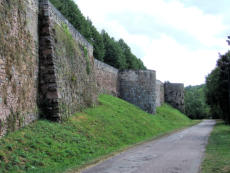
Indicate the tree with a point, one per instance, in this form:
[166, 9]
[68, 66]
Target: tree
[195, 105]
[113, 53]
[228, 40]
[211, 93]
[224, 66]
[131, 60]
[98, 44]
[217, 92]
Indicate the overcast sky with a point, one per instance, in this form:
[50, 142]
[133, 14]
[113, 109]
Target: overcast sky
[180, 39]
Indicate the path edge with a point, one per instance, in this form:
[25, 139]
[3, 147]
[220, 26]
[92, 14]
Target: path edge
[94, 162]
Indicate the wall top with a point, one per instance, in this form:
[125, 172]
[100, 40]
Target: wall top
[50, 10]
[146, 76]
[169, 83]
[104, 65]
[140, 71]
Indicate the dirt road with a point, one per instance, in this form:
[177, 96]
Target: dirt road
[180, 152]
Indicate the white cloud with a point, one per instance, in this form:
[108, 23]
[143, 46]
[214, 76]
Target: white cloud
[176, 63]
[172, 60]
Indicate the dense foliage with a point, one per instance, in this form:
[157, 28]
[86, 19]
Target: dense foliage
[106, 49]
[218, 88]
[113, 125]
[195, 103]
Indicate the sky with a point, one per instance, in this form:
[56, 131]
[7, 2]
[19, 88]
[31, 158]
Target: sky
[179, 39]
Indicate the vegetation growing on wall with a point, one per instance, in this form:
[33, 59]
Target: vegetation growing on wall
[76, 83]
[67, 48]
[106, 49]
[19, 60]
[87, 61]
[68, 41]
[195, 102]
[73, 50]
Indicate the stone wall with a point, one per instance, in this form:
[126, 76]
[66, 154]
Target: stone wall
[107, 78]
[18, 63]
[159, 93]
[138, 88]
[67, 79]
[174, 95]
[47, 68]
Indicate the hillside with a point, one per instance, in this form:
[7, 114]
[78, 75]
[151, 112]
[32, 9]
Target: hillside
[115, 124]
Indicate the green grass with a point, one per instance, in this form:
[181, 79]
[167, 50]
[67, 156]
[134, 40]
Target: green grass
[113, 125]
[217, 156]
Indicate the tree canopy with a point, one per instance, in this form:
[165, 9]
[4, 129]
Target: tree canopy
[106, 48]
[195, 103]
[218, 88]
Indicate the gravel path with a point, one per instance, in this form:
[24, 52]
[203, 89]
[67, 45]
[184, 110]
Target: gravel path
[180, 152]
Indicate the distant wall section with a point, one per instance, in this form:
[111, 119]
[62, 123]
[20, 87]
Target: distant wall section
[18, 63]
[138, 88]
[159, 93]
[174, 95]
[106, 78]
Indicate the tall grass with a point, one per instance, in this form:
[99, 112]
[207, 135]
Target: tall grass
[217, 156]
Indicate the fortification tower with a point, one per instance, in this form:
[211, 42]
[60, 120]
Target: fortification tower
[138, 88]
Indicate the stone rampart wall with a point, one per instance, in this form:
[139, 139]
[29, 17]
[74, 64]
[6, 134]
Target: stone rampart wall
[18, 64]
[60, 20]
[106, 78]
[67, 78]
[174, 95]
[159, 93]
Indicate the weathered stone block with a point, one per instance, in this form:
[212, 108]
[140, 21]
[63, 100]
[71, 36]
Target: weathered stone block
[159, 93]
[174, 95]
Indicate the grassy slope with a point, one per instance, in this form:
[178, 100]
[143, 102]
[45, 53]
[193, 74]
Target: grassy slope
[217, 157]
[51, 147]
